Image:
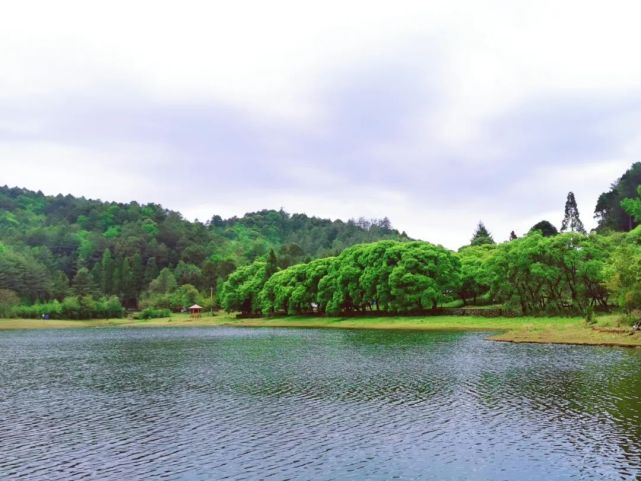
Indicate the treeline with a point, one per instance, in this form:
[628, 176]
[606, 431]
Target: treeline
[570, 273]
[73, 250]
[53, 248]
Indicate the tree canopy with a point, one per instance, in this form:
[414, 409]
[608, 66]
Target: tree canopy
[545, 228]
[609, 212]
[52, 247]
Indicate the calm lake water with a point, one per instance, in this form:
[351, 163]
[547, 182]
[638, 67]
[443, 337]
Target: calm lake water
[224, 403]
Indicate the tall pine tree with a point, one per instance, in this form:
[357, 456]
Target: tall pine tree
[571, 219]
[272, 264]
[108, 271]
[481, 236]
[83, 282]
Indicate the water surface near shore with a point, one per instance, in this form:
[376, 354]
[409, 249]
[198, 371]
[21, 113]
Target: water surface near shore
[226, 403]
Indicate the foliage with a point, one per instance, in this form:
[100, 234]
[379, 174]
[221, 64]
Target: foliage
[624, 273]
[74, 307]
[54, 247]
[475, 278]
[165, 283]
[241, 290]
[545, 228]
[382, 276]
[633, 206]
[561, 274]
[571, 218]
[153, 313]
[294, 290]
[8, 301]
[481, 236]
[609, 212]
[177, 300]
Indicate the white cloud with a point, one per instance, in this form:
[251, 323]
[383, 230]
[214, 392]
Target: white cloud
[436, 114]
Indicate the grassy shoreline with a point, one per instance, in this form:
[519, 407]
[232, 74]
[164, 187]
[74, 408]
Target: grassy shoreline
[548, 330]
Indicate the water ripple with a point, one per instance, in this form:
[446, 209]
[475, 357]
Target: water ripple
[233, 404]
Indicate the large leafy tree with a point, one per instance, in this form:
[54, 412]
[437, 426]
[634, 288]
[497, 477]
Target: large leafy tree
[537, 274]
[623, 273]
[424, 276]
[241, 290]
[475, 279]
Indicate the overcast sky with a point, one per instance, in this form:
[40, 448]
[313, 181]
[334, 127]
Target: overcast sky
[435, 114]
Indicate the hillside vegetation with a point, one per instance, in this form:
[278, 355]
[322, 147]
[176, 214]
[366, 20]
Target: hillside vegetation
[53, 248]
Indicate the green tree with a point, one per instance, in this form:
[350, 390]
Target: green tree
[151, 270]
[571, 218]
[241, 290]
[560, 274]
[186, 296]
[188, 274]
[609, 212]
[271, 264]
[481, 236]
[127, 288]
[165, 283]
[475, 275]
[545, 228]
[623, 273]
[83, 283]
[108, 272]
[8, 301]
[137, 274]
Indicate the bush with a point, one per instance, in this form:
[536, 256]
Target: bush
[74, 307]
[152, 313]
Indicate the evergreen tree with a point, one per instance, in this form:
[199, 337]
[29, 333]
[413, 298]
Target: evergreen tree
[546, 228]
[60, 286]
[164, 283]
[151, 270]
[272, 264]
[571, 219]
[481, 236]
[137, 274]
[108, 271]
[117, 278]
[126, 282]
[83, 282]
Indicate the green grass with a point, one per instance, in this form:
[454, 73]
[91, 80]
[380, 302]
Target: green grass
[556, 330]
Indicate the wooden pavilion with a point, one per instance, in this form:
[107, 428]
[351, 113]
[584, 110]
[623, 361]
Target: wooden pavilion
[195, 310]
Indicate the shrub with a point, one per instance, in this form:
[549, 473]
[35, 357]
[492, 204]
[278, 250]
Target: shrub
[74, 307]
[152, 313]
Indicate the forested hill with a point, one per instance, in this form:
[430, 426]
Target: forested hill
[55, 246]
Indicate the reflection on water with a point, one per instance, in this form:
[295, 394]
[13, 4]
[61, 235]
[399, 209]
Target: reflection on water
[200, 404]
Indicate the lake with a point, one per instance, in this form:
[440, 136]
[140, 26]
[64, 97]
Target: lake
[302, 404]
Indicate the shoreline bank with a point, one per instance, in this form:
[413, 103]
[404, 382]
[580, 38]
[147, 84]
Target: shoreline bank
[540, 330]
